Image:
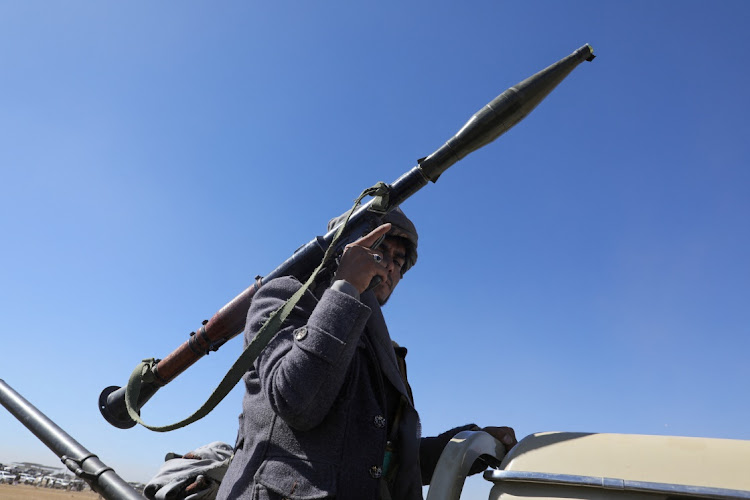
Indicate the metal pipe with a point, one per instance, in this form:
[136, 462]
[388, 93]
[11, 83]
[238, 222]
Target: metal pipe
[76, 458]
[609, 483]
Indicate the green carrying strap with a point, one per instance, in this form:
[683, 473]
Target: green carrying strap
[144, 371]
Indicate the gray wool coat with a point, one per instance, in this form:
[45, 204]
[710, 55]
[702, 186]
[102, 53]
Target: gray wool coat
[313, 423]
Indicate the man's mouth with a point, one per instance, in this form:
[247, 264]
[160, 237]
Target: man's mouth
[388, 283]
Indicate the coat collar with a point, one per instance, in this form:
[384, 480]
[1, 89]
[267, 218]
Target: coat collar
[382, 343]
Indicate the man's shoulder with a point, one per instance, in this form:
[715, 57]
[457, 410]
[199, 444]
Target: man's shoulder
[283, 288]
[281, 284]
[277, 289]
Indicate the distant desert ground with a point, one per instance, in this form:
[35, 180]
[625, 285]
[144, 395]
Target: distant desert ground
[28, 492]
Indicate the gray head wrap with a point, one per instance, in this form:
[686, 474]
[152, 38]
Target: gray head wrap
[401, 227]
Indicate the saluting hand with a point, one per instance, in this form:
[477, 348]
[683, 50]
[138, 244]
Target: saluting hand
[359, 263]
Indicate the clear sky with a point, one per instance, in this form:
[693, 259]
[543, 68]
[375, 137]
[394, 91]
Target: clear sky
[588, 271]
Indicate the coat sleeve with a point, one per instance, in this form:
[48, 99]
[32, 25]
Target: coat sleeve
[303, 368]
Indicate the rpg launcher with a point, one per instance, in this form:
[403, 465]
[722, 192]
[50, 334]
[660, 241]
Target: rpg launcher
[483, 127]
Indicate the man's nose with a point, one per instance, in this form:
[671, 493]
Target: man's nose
[390, 264]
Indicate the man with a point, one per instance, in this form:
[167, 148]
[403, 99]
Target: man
[327, 410]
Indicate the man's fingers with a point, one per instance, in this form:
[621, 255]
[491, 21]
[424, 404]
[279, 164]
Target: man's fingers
[505, 435]
[360, 263]
[369, 239]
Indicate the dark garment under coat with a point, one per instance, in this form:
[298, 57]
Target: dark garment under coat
[314, 413]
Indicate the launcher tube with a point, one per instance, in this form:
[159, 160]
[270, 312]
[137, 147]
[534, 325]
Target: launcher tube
[483, 127]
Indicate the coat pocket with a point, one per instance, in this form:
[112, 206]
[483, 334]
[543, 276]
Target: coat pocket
[297, 479]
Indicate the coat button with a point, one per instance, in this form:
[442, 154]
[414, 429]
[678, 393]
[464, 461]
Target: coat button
[301, 333]
[379, 421]
[376, 472]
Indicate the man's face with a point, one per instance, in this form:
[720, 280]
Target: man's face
[393, 252]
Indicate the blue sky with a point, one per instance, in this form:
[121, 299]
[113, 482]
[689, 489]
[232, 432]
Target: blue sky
[588, 271]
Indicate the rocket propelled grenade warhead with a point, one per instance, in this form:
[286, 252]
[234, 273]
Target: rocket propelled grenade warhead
[502, 113]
